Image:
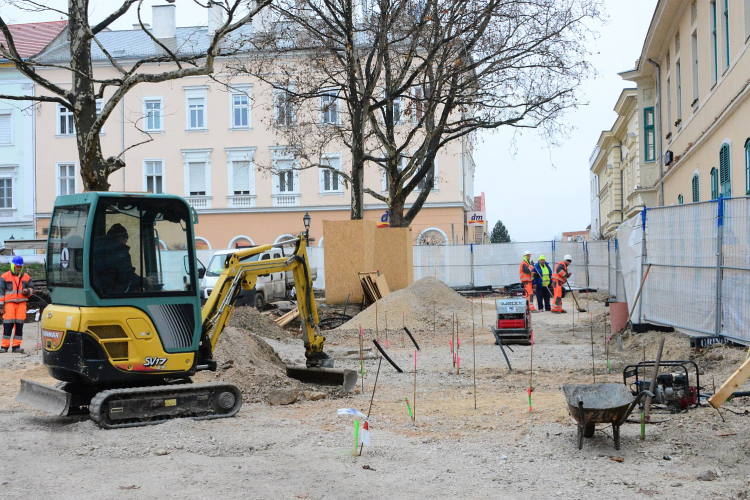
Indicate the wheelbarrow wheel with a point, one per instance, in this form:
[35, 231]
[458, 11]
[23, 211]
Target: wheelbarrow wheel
[616, 433]
[589, 430]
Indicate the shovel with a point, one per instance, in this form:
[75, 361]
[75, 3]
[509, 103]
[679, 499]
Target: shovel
[578, 308]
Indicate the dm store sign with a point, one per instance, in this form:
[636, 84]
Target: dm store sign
[476, 218]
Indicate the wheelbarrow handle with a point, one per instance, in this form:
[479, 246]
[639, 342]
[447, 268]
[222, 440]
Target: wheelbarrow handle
[637, 399]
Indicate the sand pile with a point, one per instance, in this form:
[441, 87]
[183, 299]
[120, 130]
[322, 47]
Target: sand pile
[249, 319]
[417, 301]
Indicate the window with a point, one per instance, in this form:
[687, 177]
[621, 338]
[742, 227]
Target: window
[240, 110]
[679, 200]
[714, 45]
[286, 181]
[678, 82]
[725, 30]
[197, 178]
[714, 184]
[66, 179]
[329, 109]
[330, 180]
[724, 172]
[196, 113]
[747, 167]
[6, 192]
[65, 121]
[153, 114]
[648, 130]
[669, 105]
[6, 126]
[397, 110]
[423, 182]
[696, 189]
[154, 170]
[694, 46]
[241, 177]
[67, 229]
[418, 104]
[128, 236]
[283, 108]
[401, 165]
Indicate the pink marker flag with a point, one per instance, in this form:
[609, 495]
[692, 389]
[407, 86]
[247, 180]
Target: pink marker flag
[532, 337]
[450, 344]
[415, 358]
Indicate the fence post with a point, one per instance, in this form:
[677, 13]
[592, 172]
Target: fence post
[472, 264]
[609, 271]
[644, 257]
[586, 263]
[554, 261]
[719, 261]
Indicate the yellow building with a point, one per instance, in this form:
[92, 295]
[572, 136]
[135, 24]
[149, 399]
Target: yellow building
[621, 182]
[692, 79]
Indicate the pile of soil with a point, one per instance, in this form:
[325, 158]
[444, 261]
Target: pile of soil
[249, 319]
[247, 361]
[419, 301]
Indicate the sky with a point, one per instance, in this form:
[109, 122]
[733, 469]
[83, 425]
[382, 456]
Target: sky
[537, 191]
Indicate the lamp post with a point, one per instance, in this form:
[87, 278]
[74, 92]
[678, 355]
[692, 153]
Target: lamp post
[306, 221]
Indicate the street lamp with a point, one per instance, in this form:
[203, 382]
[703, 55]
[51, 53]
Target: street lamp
[306, 222]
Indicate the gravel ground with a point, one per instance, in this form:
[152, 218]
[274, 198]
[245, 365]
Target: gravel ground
[304, 450]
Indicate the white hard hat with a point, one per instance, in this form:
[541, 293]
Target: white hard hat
[567, 257]
[527, 252]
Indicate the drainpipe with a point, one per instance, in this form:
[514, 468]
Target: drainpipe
[659, 149]
[122, 135]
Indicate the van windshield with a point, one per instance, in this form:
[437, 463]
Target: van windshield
[216, 265]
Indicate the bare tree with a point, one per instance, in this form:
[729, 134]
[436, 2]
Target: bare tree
[86, 88]
[409, 77]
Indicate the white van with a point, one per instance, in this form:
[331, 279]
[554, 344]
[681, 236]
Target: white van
[269, 287]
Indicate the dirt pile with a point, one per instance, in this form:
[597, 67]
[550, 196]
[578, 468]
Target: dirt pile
[249, 319]
[417, 302]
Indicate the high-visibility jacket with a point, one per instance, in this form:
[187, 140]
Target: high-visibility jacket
[526, 271]
[11, 287]
[561, 272]
[544, 274]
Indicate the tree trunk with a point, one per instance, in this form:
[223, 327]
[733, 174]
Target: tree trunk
[396, 212]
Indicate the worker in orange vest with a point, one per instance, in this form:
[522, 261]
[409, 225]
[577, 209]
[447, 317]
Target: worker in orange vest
[15, 289]
[526, 272]
[559, 278]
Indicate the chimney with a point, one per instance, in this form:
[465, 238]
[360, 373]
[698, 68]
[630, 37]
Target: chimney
[215, 17]
[163, 17]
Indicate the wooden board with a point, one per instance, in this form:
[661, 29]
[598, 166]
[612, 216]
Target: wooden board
[288, 317]
[382, 285]
[732, 384]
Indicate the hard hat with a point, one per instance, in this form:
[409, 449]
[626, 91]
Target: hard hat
[567, 257]
[527, 252]
[17, 262]
[541, 257]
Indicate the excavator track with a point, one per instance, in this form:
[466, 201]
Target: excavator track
[117, 408]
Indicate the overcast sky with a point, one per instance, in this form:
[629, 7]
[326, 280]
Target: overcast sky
[538, 192]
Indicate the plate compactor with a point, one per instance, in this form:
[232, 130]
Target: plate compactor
[513, 321]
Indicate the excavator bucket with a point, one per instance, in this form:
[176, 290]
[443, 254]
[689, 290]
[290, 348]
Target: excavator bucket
[346, 379]
[45, 398]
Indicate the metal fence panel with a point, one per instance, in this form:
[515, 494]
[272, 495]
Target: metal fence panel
[577, 268]
[598, 252]
[450, 264]
[681, 245]
[497, 264]
[735, 291]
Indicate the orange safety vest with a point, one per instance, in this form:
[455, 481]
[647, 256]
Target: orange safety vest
[11, 286]
[525, 271]
[561, 272]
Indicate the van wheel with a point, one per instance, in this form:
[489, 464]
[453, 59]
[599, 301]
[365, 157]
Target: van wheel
[258, 301]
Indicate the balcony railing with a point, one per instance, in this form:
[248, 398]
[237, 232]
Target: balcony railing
[286, 200]
[241, 201]
[199, 202]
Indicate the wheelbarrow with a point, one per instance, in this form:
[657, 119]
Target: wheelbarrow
[593, 404]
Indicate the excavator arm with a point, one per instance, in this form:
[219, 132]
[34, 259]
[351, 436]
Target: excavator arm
[240, 272]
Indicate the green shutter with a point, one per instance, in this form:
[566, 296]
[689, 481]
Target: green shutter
[724, 172]
[714, 184]
[696, 189]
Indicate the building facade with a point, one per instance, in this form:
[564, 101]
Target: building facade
[17, 139]
[692, 80]
[214, 146]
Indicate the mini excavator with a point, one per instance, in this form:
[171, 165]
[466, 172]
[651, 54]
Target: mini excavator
[126, 331]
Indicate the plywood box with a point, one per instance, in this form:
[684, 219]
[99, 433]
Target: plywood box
[359, 246]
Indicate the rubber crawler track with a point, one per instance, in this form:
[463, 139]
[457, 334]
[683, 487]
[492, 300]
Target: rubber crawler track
[99, 407]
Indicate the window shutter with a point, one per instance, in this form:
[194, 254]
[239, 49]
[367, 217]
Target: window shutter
[724, 164]
[241, 177]
[696, 194]
[5, 126]
[197, 174]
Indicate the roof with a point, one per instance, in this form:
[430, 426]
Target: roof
[136, 44]
[31, 38]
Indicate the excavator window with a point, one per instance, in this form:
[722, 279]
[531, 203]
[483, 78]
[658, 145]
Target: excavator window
[67, 233]
[140, 246]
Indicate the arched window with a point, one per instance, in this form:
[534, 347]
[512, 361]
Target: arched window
[679, 200]
[724, 171]
[696, 189]
[284, 237]
[432, 236]
[747, 167]
[202, 243]
[714, 184]
[242, 241]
